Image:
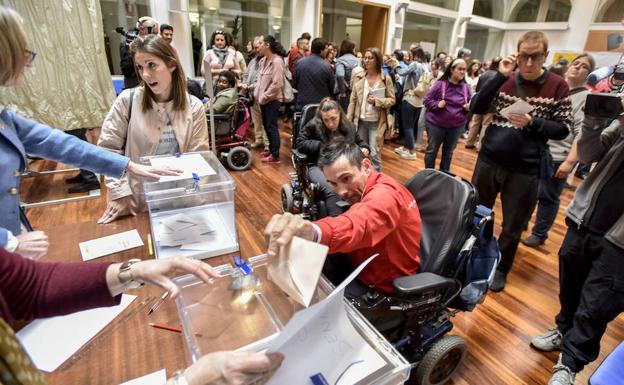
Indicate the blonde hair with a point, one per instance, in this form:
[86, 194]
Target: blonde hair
[13, 45]
[157, 46]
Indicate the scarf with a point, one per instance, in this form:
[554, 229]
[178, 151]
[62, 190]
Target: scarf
[221, 54]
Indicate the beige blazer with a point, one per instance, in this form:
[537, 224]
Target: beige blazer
[357, 100]
[140, 137]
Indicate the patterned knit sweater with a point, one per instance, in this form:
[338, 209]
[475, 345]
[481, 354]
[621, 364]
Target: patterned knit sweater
[519, 150]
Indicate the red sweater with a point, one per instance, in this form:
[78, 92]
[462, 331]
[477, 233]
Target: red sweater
[30, 289]
[385, 221]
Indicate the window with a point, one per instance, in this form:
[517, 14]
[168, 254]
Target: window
[432, 33]
[525, 11]
[610, 11]
[448, 4]
[341, 19]
[559, 10]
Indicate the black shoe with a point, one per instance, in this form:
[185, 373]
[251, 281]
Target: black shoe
[533, 241]
[498, 284]
[75, 179]
[84, 187]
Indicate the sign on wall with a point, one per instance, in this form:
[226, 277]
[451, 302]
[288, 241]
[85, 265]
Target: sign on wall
[605, 41]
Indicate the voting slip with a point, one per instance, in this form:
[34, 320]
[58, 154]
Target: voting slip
[297, 268]
[187, 163]
[378, 92]
[520, 108]
[111, 244]
[325, 336]
[181, 229]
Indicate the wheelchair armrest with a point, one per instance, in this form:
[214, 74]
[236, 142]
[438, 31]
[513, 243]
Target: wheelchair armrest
[220, 116]
[299, 155]
[421, 283]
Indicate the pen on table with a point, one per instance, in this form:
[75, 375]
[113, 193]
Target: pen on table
[165, 327]
[150, 248]
[158, 302]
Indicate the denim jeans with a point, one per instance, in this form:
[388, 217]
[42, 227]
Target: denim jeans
[269, 121]
[547, 204]
[445, 137]
[368, 133]
[421, 126]
[409, 115]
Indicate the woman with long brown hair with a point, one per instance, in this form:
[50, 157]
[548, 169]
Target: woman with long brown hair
[157, 118]
[371, 99]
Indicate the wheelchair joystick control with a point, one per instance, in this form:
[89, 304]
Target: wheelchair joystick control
[372, 294]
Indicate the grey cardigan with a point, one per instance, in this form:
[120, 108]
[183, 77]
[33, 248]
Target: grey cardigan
[605, 146]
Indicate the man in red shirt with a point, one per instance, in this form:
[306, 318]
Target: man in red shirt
[383, 218]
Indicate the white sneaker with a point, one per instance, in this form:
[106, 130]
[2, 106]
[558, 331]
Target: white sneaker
[549, 341]
[406, 154]
[562, 375]
[399, 149]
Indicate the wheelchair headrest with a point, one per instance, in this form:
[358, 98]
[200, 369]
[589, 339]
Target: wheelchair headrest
[307, 113]
[446, 204]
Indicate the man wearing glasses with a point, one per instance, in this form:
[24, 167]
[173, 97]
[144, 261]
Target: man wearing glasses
[514, 153]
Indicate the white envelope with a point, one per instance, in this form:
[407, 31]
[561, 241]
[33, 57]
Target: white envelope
[297, 268]
[520, 107]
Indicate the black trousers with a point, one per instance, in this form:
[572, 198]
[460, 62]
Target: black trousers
[337, 268]
[591, 280]
[87, 176]
[269, 121]
[518, 197]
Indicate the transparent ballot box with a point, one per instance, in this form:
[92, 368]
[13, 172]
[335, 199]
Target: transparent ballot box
[192, 214]
[226, 315]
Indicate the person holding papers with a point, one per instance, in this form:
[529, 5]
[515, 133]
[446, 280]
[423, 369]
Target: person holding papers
[20, 136]
[369, 106]
[447, 105]
[31, 289]
[158, 117]
[383, 218]
[514, 152]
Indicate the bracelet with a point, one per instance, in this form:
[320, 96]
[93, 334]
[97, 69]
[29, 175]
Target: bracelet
[179, 378]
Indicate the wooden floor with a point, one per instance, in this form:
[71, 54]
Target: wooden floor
[498, 331]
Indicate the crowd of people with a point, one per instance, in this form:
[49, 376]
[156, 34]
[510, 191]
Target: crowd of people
[365, 98]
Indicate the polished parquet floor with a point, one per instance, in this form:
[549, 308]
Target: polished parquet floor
[498, 331]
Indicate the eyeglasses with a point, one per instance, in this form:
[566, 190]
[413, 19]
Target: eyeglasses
[30, 56]
[581, 65]
[538, 56]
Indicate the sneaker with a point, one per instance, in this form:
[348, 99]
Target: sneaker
[270, 159]
[500, 279]
[265, 152]
[465, 135]
[406, 154]
[562, 375]
[399, 149]
[549, 341]
[533, 241]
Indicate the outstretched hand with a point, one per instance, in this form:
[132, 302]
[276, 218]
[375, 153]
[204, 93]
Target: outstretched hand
[282, 228]
[149, 172]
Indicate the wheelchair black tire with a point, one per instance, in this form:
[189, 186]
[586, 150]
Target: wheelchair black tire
[441, 361]
[239, 158]
[287, 198]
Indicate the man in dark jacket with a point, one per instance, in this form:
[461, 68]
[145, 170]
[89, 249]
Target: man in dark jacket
[515, 146]
[146, 26]
[329, 123]
[314, 78]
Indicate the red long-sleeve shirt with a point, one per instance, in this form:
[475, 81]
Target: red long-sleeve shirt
[385, 221]
[30, 289]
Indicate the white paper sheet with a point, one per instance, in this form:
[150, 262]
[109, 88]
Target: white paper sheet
[51, 341]
[520, 107]
[188, 163]
[324, 335]
[182, 229]
[297, 268]
[115, 243]
[156, 378]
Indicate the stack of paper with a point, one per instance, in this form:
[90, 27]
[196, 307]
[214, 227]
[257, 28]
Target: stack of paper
[297, 268]
[181, 229]
[187, 163]
[325, 336]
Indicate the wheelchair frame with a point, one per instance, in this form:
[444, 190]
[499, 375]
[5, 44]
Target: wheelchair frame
[232, 149]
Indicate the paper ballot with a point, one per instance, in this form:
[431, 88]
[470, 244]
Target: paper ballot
[115, 243]
[520, 107]
[51, 341]
[181, 229]
[188, 163]
[324, 335]
[297, 268]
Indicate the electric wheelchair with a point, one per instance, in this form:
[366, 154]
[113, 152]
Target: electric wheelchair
[230, 133]
[417, 317]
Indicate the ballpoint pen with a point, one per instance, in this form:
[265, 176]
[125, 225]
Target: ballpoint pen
[158, 302]
[165, 327]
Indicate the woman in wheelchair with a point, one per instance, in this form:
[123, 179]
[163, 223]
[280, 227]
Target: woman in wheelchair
[226, 94]
[329, 123]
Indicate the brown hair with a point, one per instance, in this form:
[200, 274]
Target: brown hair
[534, 37]
[157, 46]
[13, 45]
[378, 58]
[592, 62]
[347, 46]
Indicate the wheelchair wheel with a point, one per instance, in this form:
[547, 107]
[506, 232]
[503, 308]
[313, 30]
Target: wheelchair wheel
[239, 158]
[287, 198]
[441, 361]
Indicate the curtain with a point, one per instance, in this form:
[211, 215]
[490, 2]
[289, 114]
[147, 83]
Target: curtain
[69, 85]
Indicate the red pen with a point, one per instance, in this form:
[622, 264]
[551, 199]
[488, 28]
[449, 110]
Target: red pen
[165, 327]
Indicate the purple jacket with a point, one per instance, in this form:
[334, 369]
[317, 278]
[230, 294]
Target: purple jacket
[453, 114]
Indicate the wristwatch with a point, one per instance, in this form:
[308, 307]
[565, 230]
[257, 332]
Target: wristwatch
[179, 378]
[125, 275]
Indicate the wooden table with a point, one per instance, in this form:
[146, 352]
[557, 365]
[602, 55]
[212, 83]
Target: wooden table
[132, 348]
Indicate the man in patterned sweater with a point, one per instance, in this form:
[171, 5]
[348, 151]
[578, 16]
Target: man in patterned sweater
[509, 160]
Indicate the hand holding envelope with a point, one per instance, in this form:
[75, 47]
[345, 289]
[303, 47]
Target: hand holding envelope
[517, 113]
[297, 268]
